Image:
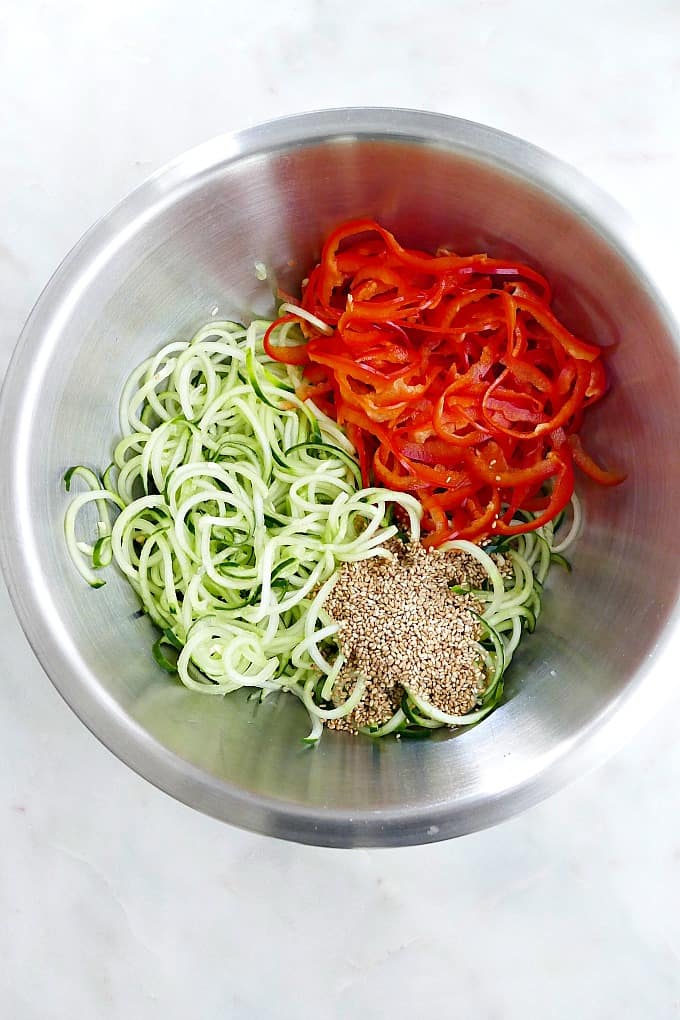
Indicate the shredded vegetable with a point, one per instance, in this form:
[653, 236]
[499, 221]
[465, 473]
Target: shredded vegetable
[236, 502]
[236, 507]
[452, 376]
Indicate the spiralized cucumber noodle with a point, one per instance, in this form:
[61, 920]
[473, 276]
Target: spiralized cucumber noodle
[236, 504]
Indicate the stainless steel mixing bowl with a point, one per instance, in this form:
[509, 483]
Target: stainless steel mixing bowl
[183, 247]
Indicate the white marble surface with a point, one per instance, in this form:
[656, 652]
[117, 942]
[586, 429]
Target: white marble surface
[114, 900]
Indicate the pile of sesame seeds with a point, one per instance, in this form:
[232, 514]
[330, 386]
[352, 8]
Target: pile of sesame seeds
[400, 623]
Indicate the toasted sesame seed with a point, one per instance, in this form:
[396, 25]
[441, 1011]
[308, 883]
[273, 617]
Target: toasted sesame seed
[400, 623]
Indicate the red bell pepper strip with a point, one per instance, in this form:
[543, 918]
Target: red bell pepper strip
[290, 355]
[453, 377]
[590, 468]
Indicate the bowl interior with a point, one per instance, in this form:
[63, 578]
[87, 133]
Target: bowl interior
[183, 249]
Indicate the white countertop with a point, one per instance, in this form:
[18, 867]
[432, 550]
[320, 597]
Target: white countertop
[117, 902]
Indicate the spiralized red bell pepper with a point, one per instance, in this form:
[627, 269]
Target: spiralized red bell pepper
[452, 377]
